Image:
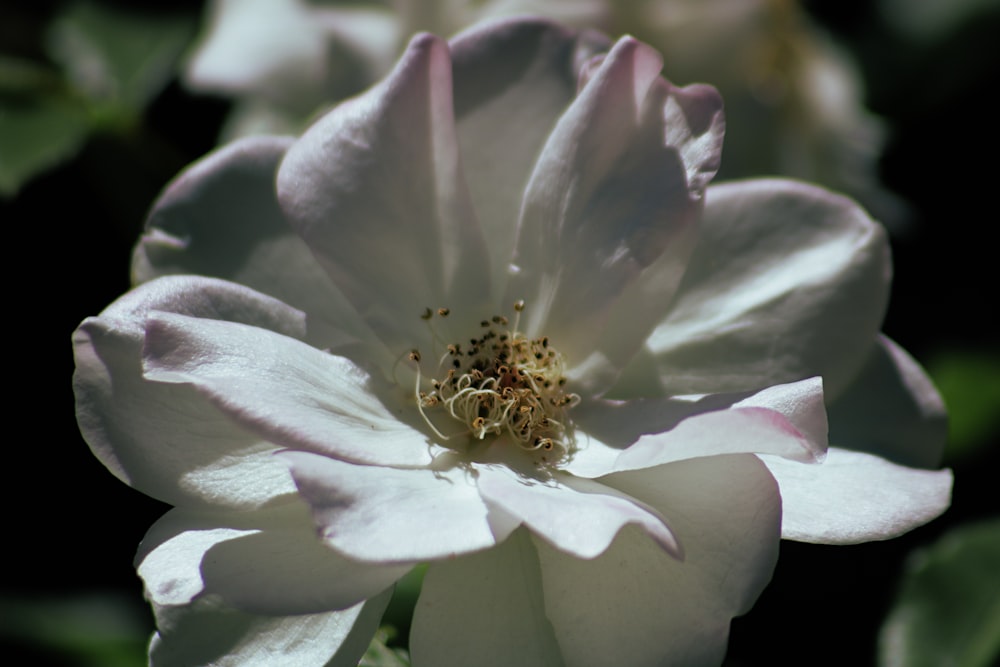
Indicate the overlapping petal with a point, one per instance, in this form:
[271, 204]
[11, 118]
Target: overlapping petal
[300, 397]
[166, 440]
[375, 189]
[513, 80]
[612, 190]
[891, 409]
[208, 632]
[485, 609]
[856, 497]
[359, 510]
[265, 562]
[580, 517]
[785, 420]
[220, 217]
[525, 602]
[726, 511]
[788, 281]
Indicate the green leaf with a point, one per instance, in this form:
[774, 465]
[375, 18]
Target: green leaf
[36, 135]
[118, 60]
[948, 608]
[100, 630]
[969, 382]
[380, 655]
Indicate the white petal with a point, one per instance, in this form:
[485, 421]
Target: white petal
[892, 409]
[785, 420]
[637, 606]
[207, 632]
[188, 454]
[610, 192]
[387, 515]
[854, 497]
[375, 189]
[485, 609]
[286, 391]
[578, 516]
[263, 562]
[788, 281]
[511, 74]
[220, 217]
[247, 51]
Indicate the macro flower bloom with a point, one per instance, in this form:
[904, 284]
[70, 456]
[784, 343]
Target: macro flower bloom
[490, 316]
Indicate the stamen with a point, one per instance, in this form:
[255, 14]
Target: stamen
[424, 399]
[504, 384]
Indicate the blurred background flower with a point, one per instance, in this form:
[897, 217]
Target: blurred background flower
[94, 119]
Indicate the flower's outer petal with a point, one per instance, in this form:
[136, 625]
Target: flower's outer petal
[166, 440]
[208, 632]
[578, 516]
[618, 182]
[635, 605]
[786, 420]
[388, 515]
[520, 75]
[855, 497]
[220, 217]
[788, 281]
[263, 562]
[485, 609]
[375, 189]
[282, 389]
[892, 409]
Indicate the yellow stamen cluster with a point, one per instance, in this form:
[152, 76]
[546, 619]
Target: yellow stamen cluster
[503, 383]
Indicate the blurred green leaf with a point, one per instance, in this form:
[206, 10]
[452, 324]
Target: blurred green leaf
[970, 384]
[98, 630]
[380, 655]
[37, 135]
[21, 77]
[118, 60]
[948, 608]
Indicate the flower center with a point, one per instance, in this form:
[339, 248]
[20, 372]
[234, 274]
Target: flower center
[503, 383]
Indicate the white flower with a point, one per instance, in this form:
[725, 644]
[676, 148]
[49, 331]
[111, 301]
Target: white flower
[645, 353]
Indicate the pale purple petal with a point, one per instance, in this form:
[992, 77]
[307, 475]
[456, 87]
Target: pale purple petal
[578, 516]
[282, 389]
[788, 281]
[855, 497]
[610, 192]
[375, 189]
[740, 430]
[190, 454]
[208, 632]
[513, 80]
[485, 609]
[264, 562]
[785, 420]
[220, 217]
[892, 409]
[386, 515]
[635, 605]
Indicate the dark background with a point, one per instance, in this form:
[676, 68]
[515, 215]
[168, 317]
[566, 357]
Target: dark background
[71, 528]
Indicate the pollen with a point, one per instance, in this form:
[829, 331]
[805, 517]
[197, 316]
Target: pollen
[502, 384]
